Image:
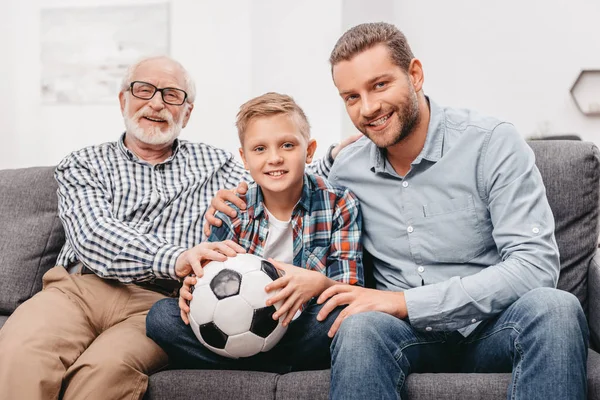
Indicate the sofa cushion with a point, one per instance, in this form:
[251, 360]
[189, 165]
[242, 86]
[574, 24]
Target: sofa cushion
[31, 234]
[571, 173]
[211, 384]
[314, 385]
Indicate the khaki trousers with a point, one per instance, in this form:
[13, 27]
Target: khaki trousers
[81, 337]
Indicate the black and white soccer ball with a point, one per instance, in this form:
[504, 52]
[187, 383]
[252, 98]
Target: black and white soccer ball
[228, 311]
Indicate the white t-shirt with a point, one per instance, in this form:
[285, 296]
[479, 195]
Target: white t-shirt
[280, 243]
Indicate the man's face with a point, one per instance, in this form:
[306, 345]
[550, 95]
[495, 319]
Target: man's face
[274, 151]
[379, 96]
[153, 121]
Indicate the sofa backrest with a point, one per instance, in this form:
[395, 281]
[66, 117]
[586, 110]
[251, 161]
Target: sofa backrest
[571, 173]
[31, 234]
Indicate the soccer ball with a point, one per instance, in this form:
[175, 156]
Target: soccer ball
[228, 311]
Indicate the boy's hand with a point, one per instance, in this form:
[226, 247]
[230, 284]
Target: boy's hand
[219, 203]
[192, 260]
[185, 296]
[298, 285]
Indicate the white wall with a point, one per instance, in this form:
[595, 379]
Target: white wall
[291, 42]
[235, 49]
[513, 59]
[7, 91]
[516, 60]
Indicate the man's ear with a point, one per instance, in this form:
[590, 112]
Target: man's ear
[415, 74]
[122, 101]
[244, 158]
[310, 150]
[188, 112]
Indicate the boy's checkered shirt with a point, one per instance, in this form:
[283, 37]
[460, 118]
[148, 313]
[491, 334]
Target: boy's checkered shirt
[326, 226]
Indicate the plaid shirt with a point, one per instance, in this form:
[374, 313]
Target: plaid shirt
[129, 220]
[326, 226]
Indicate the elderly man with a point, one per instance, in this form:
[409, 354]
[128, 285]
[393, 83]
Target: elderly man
[132, 212]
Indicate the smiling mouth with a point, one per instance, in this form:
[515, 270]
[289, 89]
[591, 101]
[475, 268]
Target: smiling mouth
[276, 173]
[155, 119]
[380, 121]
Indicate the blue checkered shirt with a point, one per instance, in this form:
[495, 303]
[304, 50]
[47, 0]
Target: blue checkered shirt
[128, 220]
[326, 229]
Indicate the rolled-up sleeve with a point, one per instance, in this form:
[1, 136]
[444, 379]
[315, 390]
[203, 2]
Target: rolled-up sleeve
[523, 231]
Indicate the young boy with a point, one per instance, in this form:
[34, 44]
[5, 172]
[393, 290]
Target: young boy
[307, 228]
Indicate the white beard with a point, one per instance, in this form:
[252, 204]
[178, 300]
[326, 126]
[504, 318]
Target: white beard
[153, 135]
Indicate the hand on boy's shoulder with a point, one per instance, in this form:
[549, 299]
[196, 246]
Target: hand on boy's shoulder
[344, 143]
[223, 202]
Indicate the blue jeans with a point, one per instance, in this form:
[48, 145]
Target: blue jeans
[542, 338]
[305, 345]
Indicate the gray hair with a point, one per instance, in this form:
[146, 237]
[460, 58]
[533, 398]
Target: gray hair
[190, 86]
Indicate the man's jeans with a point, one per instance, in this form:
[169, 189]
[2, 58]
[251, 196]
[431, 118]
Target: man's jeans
[542, 338]
[305, 345]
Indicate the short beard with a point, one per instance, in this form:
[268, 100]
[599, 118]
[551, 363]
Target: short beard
[409, 117]
[153, 135]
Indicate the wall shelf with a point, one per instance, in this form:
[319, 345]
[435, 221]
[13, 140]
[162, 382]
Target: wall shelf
[585, 92]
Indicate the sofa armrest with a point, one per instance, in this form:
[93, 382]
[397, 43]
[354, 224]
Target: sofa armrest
[594, 301]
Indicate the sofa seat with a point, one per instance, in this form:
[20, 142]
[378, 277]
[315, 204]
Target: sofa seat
[314, 385]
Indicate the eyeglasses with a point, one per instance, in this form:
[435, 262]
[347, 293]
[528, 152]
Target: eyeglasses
[146, 91]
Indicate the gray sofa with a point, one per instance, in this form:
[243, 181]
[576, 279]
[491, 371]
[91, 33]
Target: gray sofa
[31, 236]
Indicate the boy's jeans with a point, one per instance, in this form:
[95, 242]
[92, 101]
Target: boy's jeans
[305, 345]
[542, 338]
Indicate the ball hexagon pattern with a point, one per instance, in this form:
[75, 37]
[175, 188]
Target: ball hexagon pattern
[228, 312]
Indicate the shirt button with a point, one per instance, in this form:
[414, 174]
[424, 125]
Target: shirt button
[410, 229]
[404, 184]
[535, 230]
[428, 329]
[421, 269]
[473, 320]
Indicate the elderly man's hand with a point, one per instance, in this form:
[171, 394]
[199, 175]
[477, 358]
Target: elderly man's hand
[192, 260]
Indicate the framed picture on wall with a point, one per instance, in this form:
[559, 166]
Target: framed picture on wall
[85, 51]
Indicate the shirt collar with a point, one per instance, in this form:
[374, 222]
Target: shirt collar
[256, 206]
[131, 156]
[432, 149]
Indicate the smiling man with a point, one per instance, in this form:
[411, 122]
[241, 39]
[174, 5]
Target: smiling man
[132, 212]
[462, 237]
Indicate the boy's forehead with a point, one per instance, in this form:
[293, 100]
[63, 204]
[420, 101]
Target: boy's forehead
[277, 123]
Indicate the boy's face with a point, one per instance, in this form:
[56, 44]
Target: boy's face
[274, 151]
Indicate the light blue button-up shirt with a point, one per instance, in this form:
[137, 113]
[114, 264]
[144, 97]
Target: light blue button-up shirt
[467, 231]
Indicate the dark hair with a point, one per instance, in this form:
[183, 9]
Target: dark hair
[364, 36]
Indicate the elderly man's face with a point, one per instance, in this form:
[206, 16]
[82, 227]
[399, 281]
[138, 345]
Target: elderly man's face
[153, 121]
